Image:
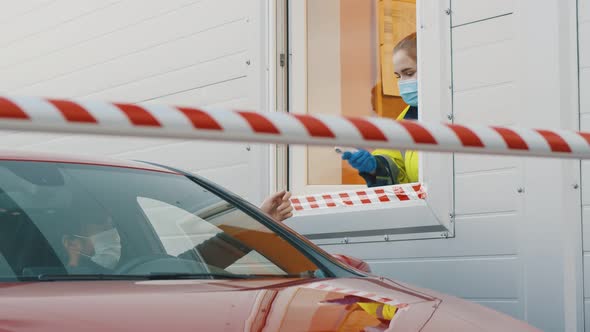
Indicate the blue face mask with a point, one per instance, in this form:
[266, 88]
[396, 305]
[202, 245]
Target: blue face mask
[409, 91]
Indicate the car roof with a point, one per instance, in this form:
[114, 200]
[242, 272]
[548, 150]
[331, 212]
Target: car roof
[6, 155]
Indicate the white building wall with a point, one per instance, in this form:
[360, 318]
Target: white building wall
[188, 52]
[508, 250]
[584, 70]
[481, 263]
[516, 226]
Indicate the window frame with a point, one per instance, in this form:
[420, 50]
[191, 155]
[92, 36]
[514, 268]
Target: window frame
[436, 170]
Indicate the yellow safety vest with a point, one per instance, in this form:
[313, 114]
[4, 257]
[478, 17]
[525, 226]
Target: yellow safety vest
[379, 310]
[407, 162]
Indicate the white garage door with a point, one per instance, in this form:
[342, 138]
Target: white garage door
[189, 52]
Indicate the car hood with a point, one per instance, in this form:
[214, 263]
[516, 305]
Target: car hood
[235, 305]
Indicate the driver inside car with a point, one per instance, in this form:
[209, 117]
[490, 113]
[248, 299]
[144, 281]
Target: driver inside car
[94, 245]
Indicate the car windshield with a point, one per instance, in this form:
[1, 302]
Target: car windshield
[61, 221]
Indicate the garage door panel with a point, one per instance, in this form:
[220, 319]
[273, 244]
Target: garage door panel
[180, 25]
[35, 23]
[149, 63]
[487, 192]
[476, 277]
[468, 11]
[476, 235]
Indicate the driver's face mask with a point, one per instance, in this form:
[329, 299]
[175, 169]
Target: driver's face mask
[107, 248]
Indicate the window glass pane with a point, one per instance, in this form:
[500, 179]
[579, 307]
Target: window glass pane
[350, 70]
[178, 229]
[181, 231]
[67, 220]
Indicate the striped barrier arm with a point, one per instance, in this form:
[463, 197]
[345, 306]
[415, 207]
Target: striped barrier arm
[368, 196]
[94, 117]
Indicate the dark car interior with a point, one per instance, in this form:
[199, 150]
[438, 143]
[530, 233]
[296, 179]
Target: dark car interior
[42, 203]
[31, 236]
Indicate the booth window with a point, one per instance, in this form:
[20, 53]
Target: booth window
[350, 70]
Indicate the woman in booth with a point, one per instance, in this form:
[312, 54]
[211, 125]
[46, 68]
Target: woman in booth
[383, 166]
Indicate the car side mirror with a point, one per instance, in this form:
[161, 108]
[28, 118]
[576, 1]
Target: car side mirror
[353, 262]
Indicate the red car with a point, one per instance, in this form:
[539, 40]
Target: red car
[96, 245]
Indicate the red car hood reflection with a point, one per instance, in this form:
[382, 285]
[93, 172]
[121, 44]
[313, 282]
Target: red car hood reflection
[222, 305]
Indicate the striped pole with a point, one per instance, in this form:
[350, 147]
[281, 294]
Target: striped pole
[95, 117]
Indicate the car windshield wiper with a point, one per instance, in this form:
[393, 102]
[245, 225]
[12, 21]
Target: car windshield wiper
[151, 276]
[165, 276]
[282, 276]
[83, 277]
[159, 276]
[172, 276]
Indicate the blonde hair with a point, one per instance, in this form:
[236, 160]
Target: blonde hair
[409, 45]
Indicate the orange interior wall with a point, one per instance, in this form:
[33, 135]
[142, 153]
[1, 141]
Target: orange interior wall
[358, 65]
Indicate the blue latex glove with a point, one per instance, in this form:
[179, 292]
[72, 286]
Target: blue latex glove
[361, 160]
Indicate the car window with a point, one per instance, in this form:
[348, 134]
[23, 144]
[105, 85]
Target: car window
[70, 219]
[181, 231]
[5, 269]
[170, 223]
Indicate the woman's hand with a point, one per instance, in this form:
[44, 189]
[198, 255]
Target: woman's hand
[362, 160]
[278, 206]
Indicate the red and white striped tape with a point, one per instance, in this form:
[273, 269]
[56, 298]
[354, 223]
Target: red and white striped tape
[369, 196]
[89, 117]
